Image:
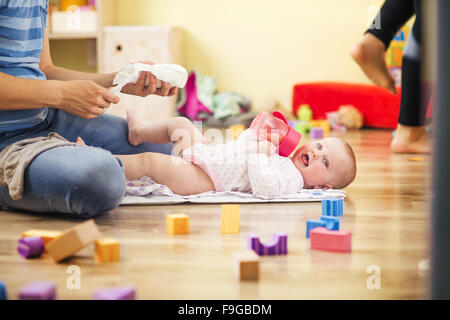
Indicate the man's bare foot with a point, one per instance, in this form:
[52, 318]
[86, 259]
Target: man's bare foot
[80, 142]
[411, 140]
[369, 53]
[134, 125]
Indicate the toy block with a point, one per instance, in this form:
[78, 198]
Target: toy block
[107, 249]
[30, 247]
[331, 223]
[316, 133]
[73, 240]
[277, 245]
[302, 127]
[326, 240]
[119, 293]
[332, 207]
[416, 159]
[3, 295]
[304, 113]
[235, 131]
[38, 291]
[46, 235]
[246, 265]
[177, 223]
[311, 224]
[231, 220]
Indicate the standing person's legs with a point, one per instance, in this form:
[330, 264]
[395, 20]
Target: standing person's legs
[411, 136]
[370, 51]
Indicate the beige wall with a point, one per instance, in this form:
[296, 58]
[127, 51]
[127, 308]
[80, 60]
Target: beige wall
[261, 48]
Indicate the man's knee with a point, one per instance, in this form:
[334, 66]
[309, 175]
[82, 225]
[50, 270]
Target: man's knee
[98, 186]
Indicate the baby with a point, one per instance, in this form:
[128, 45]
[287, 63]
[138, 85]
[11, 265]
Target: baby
[245, 164]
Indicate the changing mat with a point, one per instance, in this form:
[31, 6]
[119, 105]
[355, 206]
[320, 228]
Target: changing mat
[145, 191]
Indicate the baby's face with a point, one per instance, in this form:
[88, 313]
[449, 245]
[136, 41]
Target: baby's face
[322, 163]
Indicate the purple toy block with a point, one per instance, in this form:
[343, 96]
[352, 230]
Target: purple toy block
[30, 247]
[276, 245]
[38, 291]
[316, 133]
[119, 293]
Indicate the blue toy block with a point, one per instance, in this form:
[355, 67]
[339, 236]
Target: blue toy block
[332, 207]
[311, 224]
[3, 295]
[331, 223]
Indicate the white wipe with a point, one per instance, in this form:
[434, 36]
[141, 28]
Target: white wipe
[173, 74]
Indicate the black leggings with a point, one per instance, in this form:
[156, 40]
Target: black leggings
[392, 16]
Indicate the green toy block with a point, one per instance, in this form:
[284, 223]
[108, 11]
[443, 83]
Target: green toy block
[304, 113]
[302, 127]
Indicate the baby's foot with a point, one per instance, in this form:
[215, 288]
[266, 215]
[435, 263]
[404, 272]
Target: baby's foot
[411, 140]
[134, 126]
[370, 55]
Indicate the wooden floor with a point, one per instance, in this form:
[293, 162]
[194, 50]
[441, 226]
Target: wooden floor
[386, 209]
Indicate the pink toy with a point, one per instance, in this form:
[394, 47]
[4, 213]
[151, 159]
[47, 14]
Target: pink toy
[276, 129]
[192, 106]
[327, 240]
[122, 293]
[30, 247]
[277, 245]
[38, 291]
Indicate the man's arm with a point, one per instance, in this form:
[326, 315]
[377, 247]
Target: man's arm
[56, 73]
[103, 79]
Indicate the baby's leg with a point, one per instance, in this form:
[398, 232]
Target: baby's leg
[179, 131]
[181, 177]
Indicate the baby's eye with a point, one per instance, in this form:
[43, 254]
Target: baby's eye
[325, 161]
[319, 146]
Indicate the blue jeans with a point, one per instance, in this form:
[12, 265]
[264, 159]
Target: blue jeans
[78, 182]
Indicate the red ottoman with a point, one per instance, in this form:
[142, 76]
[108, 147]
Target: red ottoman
[379, 107]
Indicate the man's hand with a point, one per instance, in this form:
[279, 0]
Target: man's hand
[85, 98]
[140, 89]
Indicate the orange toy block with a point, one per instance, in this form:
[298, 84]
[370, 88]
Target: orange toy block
[73, 240]
[45, 235]
[231, 220]
[177, 223]
[107, 249]
[235, 131]
[246, 265]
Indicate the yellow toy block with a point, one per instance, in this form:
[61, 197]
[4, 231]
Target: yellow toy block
[177, 223]
[324, 124]
[45, 235]
[107, 249]
[235, 131]
[231, 220]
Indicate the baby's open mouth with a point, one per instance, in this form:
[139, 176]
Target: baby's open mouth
[305, 159]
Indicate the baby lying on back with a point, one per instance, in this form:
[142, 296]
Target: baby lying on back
[247, 164]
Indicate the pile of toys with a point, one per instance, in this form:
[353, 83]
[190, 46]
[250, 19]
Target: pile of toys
[324, 235]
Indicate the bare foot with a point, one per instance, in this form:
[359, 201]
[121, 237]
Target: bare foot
[369, 53]
[80, 142]
[411, 140]
[134, 124]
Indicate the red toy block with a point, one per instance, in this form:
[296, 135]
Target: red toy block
[328, 240]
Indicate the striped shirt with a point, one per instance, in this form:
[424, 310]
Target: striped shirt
[22, 31]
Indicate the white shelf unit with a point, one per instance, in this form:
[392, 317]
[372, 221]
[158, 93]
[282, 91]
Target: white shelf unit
[106, 15]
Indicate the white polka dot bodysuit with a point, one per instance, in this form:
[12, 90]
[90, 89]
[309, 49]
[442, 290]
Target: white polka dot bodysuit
[237, 166]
